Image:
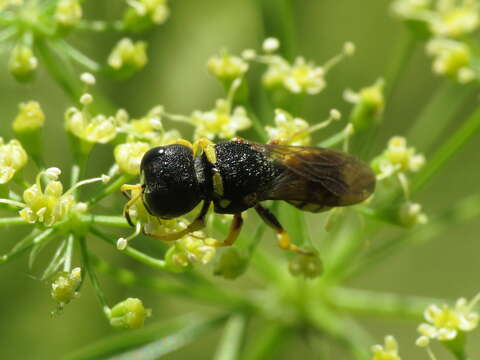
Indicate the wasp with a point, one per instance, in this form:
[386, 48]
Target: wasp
[237, 175]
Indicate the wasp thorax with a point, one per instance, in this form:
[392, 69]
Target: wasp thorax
[171, 185]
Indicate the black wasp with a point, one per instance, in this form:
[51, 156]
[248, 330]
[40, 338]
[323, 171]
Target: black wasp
[237, 175]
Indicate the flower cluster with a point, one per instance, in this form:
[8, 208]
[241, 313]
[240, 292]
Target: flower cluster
[369, 105]
[29, 118]
[223, 121]
[389, 351]
[33, 27]
[446, 323]
[13, 158]
[128, 57]
[299, 77]
[141, 15]
[449, 26]
[397, 158]
[189, 250]
[65, 286]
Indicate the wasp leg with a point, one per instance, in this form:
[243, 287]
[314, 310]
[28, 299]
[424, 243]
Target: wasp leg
[235, 228]
[197, 224]
[282, 236]
[205, 146]
[126, 209]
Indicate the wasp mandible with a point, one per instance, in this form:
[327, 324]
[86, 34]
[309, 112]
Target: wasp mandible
[237, 175]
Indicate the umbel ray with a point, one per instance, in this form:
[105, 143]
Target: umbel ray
[237, 175]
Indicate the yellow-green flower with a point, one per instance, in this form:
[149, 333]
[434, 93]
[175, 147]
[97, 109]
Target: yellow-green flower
[453, 18]
[452, 58]
[369, 105]
[68, 12]
[227, 67]
[389, 351]
[30, 117]
[13, 157]
[99, 129]
[22, 63]
[305, 78]
[288, 129]
[220, 122]
[397, 158]
[129, 314]
[128, 56]
[189, 250]
[411, 214]
[65, 285]
[445, 323]
[277, 71]
[156, 10]
[128, 156]
[48, 205]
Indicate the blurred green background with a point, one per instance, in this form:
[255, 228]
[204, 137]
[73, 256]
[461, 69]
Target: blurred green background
[177, 78]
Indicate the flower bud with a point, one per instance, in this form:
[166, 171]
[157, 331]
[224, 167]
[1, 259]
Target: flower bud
[227, 67]
[128, 57]
[308, 266]
[22, 63]
[143, 14]
[30, 117]
[411, 214]
[129, 314]
[128, 156]
[230, 264]
[369, 105]
[68, 12]
[65, 285]
[13, 157]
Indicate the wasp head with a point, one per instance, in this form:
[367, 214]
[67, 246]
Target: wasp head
[171, 188]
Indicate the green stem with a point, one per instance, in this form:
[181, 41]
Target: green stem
[129, 251]
[233, 338]
[364, 302]
[35, 238]
[344, 330]
[93, 277]
[447, 101]
[466, 210]
[191, 291]
[398, 63]
[12, 221]
[268, 342]
[61, 72]
[110, 189]
[105, 220]
[447, 150]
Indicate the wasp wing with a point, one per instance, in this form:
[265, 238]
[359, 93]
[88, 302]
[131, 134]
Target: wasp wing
[318, 176]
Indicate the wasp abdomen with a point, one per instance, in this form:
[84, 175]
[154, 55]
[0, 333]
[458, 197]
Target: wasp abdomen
[244, 172]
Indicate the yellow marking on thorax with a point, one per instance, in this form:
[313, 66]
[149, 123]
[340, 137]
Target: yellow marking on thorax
[205, 146]
[217, 182]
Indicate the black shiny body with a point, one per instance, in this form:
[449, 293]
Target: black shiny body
[246, 173]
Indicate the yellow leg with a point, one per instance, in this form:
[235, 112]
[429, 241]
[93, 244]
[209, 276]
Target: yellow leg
[197, 224]
[282, 236]
[232, 236]
[133, 199]
[205, 146]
